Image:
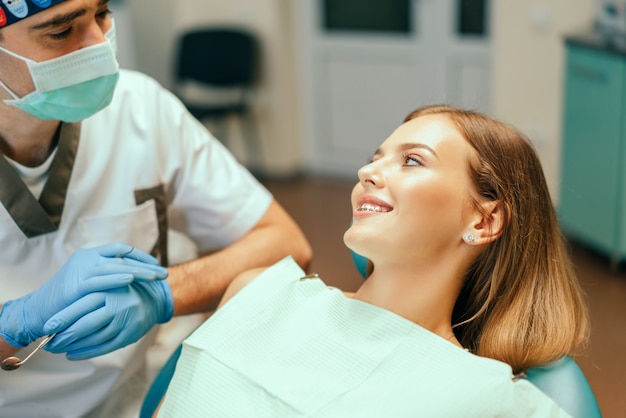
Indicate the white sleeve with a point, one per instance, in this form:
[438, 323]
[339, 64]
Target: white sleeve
[215, 200]
[211, 197]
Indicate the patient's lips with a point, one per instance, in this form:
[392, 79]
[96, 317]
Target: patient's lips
[370, 204]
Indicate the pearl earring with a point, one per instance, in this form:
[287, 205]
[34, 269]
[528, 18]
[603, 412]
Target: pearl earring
[469, 238]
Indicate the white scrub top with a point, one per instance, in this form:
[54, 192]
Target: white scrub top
[139, 167]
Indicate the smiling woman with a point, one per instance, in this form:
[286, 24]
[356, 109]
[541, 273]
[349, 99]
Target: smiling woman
[470, 285]
[480, 191]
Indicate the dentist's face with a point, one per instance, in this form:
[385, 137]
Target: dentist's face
[413, 200]
[60, 30]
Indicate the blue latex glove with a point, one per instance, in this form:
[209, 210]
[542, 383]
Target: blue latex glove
[105, 321]
[89, 270]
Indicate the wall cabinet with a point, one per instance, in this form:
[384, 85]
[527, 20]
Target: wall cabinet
[592, 197]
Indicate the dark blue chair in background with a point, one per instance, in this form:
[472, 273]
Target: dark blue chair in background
[227, 61]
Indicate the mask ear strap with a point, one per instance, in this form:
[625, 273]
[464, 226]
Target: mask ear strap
[9, 90]
[14, 55]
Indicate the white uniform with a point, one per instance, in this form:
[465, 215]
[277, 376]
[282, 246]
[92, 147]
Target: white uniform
[142, 165]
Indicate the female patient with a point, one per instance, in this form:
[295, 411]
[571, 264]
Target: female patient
[470, 285]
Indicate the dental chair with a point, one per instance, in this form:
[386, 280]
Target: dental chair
[563, 381]
[159, 385]
[566, 384]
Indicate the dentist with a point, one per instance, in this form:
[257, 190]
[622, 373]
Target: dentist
[97, 165]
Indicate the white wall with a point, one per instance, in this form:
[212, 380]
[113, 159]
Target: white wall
[126, 48]
[153, 32]
[528, 53]
[158, 22]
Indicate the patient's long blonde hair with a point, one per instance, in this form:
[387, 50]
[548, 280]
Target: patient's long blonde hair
[521, 302]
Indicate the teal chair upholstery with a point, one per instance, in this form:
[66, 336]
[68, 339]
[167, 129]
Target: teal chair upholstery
[159, 385]
[564, 382]
[360, 263]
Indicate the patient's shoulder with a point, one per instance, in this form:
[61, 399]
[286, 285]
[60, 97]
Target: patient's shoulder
[239, 283]
[246, 277]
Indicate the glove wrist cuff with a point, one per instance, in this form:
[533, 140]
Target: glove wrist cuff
[168, 303]
[11, 341]
[13, 325]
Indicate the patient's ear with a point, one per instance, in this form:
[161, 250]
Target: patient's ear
[489, 223]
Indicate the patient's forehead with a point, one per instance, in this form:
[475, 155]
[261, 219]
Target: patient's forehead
[436, 132]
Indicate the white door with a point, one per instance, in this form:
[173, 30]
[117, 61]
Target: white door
[362, 69]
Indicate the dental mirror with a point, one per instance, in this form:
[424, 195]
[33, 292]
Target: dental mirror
[13, 363]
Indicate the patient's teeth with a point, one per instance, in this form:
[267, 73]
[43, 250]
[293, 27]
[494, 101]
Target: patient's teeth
[370, 208]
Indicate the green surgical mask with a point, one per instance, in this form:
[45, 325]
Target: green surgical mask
[71, 87]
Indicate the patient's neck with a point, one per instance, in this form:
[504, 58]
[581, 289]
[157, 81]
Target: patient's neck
[425, 296]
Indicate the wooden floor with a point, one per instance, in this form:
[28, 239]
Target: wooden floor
[322, 208]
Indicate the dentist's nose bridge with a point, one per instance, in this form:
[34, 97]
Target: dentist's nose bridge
[93, 35]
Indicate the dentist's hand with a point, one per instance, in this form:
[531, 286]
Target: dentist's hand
[102, 322]
[89, 270]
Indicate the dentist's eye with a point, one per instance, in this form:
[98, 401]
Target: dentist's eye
[63, 34]
[104, 13]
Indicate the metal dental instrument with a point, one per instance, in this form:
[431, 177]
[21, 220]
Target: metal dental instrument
[12, 363]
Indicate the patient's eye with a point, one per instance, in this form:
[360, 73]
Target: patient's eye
[411, 160]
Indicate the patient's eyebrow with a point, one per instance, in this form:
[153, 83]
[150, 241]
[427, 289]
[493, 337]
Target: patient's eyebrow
[407, 146]
[411, 145]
